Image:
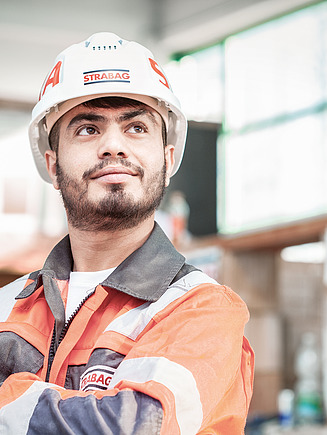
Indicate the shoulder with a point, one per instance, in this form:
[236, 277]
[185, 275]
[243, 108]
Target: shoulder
[18, 284]
[199, 285]
[9, 292]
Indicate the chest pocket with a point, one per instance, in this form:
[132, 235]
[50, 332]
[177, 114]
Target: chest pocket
[97, 373]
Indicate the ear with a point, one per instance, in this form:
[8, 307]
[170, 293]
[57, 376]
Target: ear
[51, 159]
[170, 160]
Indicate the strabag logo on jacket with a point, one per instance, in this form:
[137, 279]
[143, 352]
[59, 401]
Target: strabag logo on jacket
[96, 378]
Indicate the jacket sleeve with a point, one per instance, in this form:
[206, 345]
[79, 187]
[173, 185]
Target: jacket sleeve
[30, 406]
[189, 372]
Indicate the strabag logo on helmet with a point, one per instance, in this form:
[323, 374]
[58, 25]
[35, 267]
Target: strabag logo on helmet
[53, 78]
[157, 70]
[106, 75]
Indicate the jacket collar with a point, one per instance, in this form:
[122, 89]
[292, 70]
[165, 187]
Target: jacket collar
[145, 274]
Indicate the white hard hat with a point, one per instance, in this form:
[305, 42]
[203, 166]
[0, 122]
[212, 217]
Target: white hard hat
[104, 65]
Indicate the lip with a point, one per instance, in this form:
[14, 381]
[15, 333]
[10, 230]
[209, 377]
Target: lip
[114, 174]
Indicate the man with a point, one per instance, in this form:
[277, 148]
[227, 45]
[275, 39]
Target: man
[116, 334]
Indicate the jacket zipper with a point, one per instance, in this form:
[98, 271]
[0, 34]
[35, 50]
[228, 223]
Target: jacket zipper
[52, 350]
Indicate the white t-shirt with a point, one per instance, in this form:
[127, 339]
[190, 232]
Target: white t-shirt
[80, 285]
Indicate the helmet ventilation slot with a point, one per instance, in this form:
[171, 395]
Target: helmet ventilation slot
[104, 47]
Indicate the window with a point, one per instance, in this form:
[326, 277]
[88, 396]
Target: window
[197, 81]
[273, 154]
[268, 87]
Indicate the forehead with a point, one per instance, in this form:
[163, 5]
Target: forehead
[107, 113]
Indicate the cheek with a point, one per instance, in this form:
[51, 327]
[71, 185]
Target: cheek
[73, 162]
[155, 166]
[155, 155]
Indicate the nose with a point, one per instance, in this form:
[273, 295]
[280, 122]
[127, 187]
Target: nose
[112, 144]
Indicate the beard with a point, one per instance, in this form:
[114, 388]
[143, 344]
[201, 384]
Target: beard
[118, 209]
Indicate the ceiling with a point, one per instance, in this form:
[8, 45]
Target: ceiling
[33, 32]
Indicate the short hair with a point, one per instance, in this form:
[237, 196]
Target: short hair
[103, 103]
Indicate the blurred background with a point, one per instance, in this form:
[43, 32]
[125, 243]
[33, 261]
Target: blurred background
[249, 204]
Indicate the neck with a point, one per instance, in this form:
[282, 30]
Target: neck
[94, 251]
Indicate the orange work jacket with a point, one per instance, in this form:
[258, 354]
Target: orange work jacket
[156, 348]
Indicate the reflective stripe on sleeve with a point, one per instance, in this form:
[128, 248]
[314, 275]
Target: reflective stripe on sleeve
[132, 323]
[8, 294]
[15, 417]
[174, 377]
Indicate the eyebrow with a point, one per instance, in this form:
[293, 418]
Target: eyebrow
[90, 117]
[135, 113]
[126, 116]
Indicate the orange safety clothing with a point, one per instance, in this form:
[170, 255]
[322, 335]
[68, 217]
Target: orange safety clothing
[156, 348]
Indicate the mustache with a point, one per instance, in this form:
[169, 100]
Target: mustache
[113, 161]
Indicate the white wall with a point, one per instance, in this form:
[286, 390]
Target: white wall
[33, 32]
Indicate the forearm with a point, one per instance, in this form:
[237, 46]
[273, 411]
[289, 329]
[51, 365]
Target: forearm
[29, 406]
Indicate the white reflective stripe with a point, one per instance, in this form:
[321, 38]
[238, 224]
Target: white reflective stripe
[173, 376]
[132, 323]
[15, 417]
[8, 294]
[194, 279]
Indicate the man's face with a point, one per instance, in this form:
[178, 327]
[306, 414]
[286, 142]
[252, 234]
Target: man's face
[111, 166]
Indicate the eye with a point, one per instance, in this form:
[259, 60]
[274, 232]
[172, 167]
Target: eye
[137, 128]
[87, 131]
